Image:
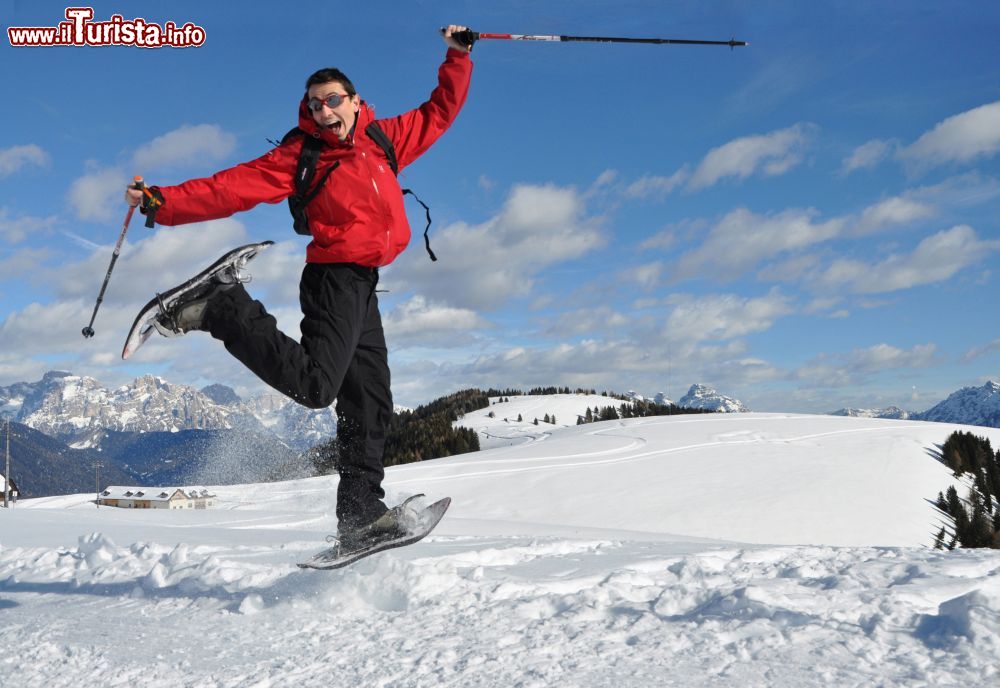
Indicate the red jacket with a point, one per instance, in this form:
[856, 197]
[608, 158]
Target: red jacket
[358, 216]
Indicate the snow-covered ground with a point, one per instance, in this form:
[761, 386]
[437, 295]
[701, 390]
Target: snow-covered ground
[503, 429]
[741, 549]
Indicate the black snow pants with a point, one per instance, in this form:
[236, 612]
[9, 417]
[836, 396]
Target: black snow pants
[342, 357]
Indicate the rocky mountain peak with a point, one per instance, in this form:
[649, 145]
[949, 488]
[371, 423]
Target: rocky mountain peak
[969, 406]
[704, 397]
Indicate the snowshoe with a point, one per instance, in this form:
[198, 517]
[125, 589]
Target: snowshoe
[402, 525]
[181, 309]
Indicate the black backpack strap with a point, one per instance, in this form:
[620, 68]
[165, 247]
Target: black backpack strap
[376, 134]
[305, 173]
[427, 239]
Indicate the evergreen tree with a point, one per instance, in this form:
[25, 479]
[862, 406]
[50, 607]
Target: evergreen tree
[608, 413]
[977, 523]
[939, 540]
[979, 532]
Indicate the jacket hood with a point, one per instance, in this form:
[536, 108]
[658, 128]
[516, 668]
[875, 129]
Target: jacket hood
[366, 115]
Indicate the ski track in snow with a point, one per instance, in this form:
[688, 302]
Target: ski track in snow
[499, 612]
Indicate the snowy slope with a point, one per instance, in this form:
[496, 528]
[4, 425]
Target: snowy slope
[744, 549]
[504, 428]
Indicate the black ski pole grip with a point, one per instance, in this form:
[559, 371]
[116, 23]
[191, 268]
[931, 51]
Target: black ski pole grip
[466, 38]
[152, 202]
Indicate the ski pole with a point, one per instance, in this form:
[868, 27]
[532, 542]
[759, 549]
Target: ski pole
[88, 331]
[469, 37]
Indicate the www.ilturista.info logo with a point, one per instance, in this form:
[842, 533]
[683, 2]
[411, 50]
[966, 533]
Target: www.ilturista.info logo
[81, 30]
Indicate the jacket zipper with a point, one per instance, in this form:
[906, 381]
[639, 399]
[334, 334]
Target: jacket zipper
[388, 229]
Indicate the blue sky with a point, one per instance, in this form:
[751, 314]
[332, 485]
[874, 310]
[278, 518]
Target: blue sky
[805, 224]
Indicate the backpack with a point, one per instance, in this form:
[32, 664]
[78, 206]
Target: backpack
[305, 173]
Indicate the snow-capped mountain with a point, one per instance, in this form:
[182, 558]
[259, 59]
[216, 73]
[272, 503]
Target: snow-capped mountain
[658, 398]
[891, 412]
[71, 406]
[78, 409]
[221, 394]
[662, 399]
[969, 406]
[704, 397]
[299, 427]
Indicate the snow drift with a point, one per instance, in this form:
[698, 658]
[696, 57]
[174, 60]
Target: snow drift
[743, 549]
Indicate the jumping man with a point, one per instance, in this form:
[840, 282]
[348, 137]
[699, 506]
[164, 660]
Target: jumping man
[358, 224]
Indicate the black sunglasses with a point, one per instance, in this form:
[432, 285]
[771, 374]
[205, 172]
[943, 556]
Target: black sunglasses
[331, 101]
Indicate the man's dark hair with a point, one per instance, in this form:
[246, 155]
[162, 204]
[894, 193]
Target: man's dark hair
[331, 74]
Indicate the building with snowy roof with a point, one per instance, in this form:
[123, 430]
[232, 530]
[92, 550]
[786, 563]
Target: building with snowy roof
[157, 498]
[3, 488]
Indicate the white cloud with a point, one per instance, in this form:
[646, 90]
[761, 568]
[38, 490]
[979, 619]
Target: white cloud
[482, 266]
[854, 368]
[678, 231]
[654, 186]
[661, 240]
[646, 276]
[149, 262]
[185, 145]
[99, 193]
[723, 316]
[968, 189]
[980, 351]
[44, 328]
[24, 262]
[959, 138]
[884, 357]
[935, 259]
[615, 364]
[822, 305]
[153, 263]
[772, 154]
[276, 270]
[742, 239]
[868, 155]
[606, 346]
[790, 270]
[587, 321]
[419, 322]
[891, 211]
[14, 231]
[605, 178]
[15, 158]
